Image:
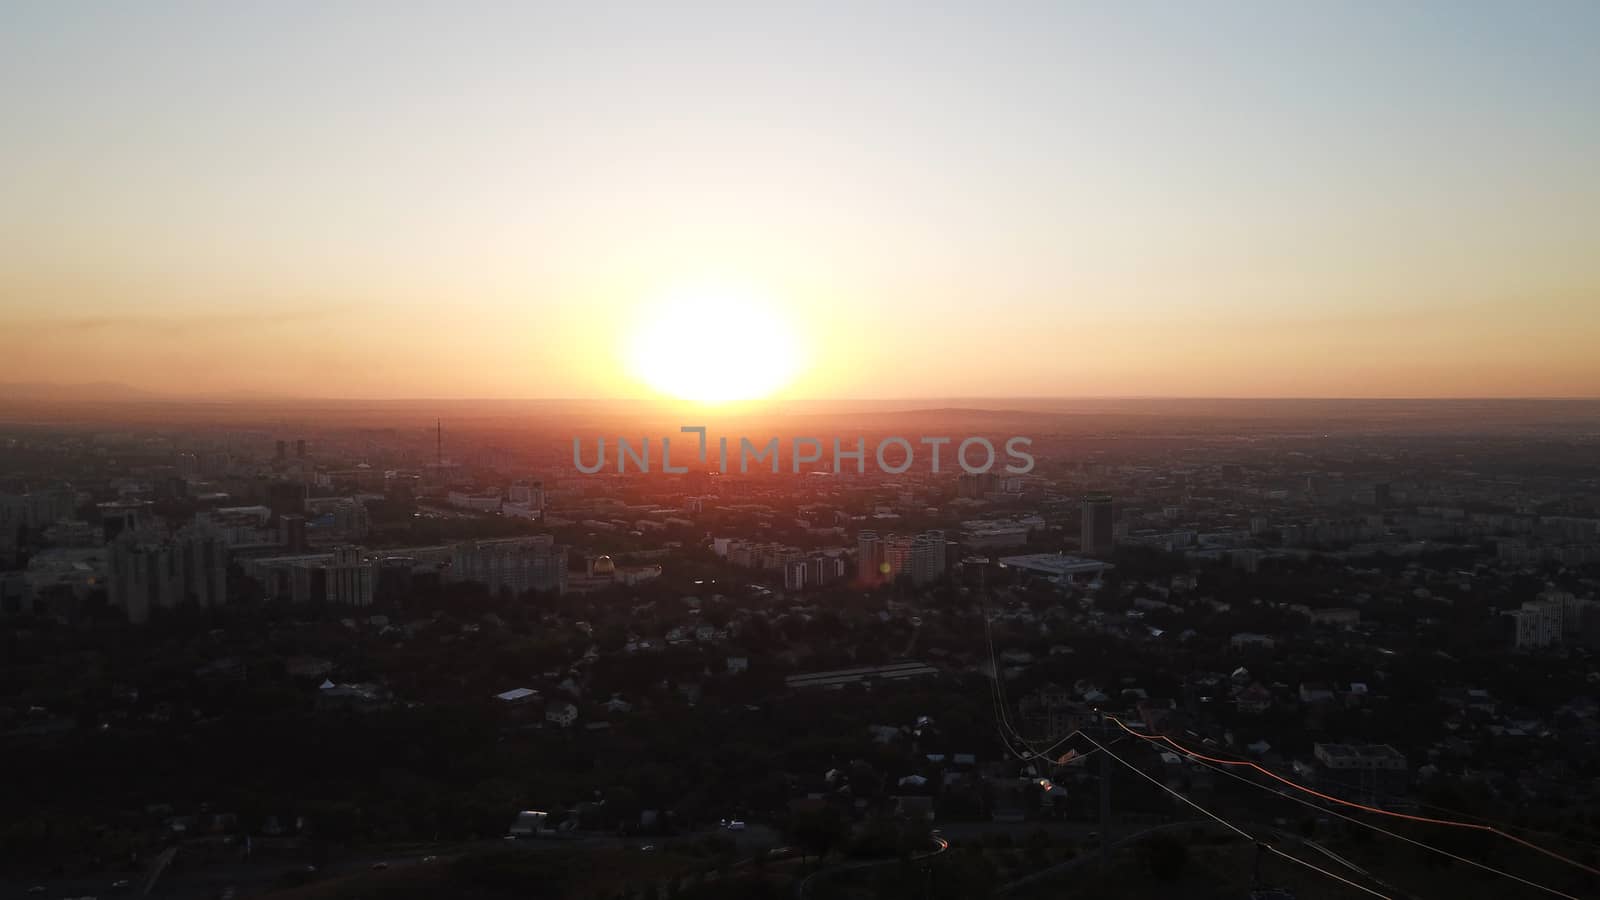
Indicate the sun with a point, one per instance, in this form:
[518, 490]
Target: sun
[713, 346]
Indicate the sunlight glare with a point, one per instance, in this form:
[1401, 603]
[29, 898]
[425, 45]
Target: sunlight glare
[713, 345]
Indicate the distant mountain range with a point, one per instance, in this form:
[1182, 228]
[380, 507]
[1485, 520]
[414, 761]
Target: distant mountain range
[94, 392]
[110, 401]
[89, 392]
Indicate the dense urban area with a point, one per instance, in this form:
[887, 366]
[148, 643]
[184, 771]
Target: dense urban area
[1211, 653]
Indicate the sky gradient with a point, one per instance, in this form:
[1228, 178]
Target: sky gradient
[1213, 199]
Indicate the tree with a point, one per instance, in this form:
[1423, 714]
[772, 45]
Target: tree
[817, 832]
[622, 807]
[1164, 855]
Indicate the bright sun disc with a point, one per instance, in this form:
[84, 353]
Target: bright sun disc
[713, 347]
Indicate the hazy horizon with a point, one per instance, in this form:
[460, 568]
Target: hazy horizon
[716, 449]
[43, 391]
[874, 201]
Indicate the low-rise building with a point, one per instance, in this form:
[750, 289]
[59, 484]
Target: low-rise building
[561, 713]
[1375, 774]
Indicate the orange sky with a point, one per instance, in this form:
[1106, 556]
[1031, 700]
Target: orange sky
[1248, 202]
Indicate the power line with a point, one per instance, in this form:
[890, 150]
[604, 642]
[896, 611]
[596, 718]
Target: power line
[994, 667]
[1552, 835]
[1046, 753]
[1234, 828]
[1453, 823]
[1422, 844]
[1004, 726]
[1007, 731]
[1356, 869]
[997, 696]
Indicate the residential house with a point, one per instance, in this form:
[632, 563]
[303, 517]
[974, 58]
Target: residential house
[1253, 700]
[561, 713]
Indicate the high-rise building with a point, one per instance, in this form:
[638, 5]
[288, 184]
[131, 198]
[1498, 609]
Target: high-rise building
[37, 508]
[514, 564]
[794, 575]
[977, 486]
[1539, 623]
[1555, 617]
[1098, 534]
[351, 579]
[524, 500]
[1573, 609]
[347, 576]
[300, 449]
[527, 493]
[920, 557]
[118, 516]
[147, 574]
[822, 569]
[351, 520]
[870, 564]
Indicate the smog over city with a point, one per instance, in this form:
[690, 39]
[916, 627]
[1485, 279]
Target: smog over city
[815, 451]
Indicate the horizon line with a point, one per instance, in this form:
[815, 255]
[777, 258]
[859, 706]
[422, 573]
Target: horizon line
[248, 395]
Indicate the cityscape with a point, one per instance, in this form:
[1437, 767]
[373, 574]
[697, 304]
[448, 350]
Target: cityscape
[697, 451]
[239, 657]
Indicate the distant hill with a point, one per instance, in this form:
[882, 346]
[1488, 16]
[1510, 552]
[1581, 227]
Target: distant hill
[88, 392]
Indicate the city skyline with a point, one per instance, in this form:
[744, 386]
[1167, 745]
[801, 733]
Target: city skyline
[707, 450]
[1240, 200]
